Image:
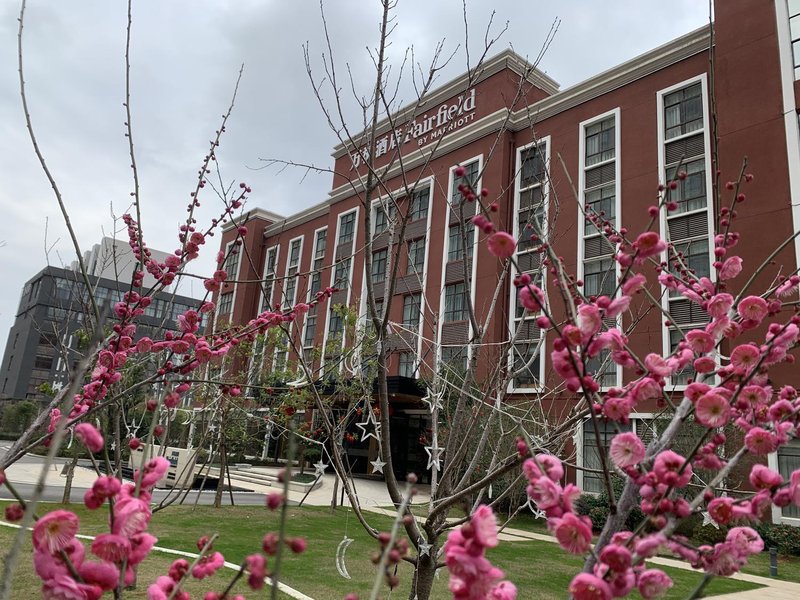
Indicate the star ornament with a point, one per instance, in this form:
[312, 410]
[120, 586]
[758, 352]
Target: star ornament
[707, 520]
[433, 400]
[377, 466]
[319, 468]
[434, 457]
[537, 512]
[370, 424]
[423, 548]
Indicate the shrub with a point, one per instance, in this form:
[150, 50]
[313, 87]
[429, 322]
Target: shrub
[708, 534]
[783, 537]
[596, 507]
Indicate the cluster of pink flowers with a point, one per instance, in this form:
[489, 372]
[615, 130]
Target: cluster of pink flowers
[472, 576]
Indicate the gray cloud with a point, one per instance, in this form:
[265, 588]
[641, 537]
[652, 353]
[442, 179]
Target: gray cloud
[185, 57]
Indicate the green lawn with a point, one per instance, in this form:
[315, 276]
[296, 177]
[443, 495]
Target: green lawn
[539, 569]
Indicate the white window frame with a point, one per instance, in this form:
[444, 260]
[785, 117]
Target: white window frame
[709, 209]
[512, 317]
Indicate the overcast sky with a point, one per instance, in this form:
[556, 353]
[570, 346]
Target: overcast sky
[185, 58]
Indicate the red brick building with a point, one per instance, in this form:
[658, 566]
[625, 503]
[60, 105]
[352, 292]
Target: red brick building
[610, 139]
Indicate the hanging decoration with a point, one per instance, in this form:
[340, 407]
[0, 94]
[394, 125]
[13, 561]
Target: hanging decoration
[434, 457]
[433, 400]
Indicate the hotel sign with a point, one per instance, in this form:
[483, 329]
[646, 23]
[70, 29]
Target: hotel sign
[423, 129]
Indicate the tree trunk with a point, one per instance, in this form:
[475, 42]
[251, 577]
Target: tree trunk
[423, 577]
[65, 499]
[221, 479]
[335, 491]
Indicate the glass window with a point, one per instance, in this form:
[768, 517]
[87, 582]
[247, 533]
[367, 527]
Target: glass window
[43, 362]
[416, 257]
[694, 256]
[335, 323]
[789, 462]
[341, 274]
[522, 354]
[225, 304]
[681, 377]
[347, 227]
[231, 262]
[599, 277]
[533, 166]
[311, 330]
[319, 259]
[691, 191]
[683, 111]
[593, 482]
[602, 202]
[379, 259]
[469, 178]
[454, 358]
[381, 220]
[455, 246]
[289, 292]
[411, 311]
[418, 209]
[600, 141]
[407, 365]
[294, 253]
[455, 302]
[602, 369]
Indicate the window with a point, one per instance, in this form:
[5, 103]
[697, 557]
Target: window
[341, 274]
[691, 191]
[599, 277]
[379, 259]
[683, 111]
[526, 360]
[335, 323]
[381, 219]
[794, 35]
[269, 278]
[225, 303]
[470, 178]
[602, 369]
[454, 358]
[455, 303]
[411, 311]
[347, 227]
[407, 365]
[418, 207]
[231, 262]
[416, 257]
[311, 330]
[319, 259]
[593, 482]
[602, 202]
[600, 142]
[789, 462]
[455, 245]
[681, 377]
[694, 255]
[43, 362]
[292, 268]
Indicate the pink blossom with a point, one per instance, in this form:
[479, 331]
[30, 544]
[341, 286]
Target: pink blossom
[745, 357]
[585, 586]
[502, 244]
[64, 587]
[633, 284]
[208, 565]
[141, 544]
[588, 321]
[617, 557]
[721, 510]
[131, 516]
[730, 268]
[794, 487]
[484, 524]
[90, 437]
[712, 410]
[653, 583]
[574, 533]
[699, 341]
[505, 590]
[657, 365]
[759, 441]
[55, 530]
[667, 469]
[745, 539]
[753, 308]
[617, 408]
[764, 478]
[102, 574]
[531, 297]
[719, 305]
[704, 364]
[626, 450]
[545, 492]
[111, 547]
[648, 244]
[618, 306]
[106, 486]
[257, 566]
[543, 465]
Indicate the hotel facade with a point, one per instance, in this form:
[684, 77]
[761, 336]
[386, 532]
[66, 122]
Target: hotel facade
[542, 153]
